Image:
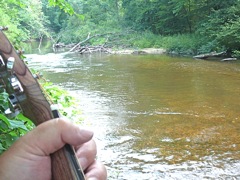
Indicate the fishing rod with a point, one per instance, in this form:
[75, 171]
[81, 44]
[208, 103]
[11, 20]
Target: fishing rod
[26, 96]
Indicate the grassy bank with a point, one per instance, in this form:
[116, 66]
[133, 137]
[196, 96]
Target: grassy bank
[181, 44]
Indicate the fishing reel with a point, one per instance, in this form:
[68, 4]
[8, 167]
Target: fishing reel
[10, 83]
[3, 28]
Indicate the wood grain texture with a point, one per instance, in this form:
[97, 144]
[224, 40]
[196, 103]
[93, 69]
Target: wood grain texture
[65, 165]
[36, 107]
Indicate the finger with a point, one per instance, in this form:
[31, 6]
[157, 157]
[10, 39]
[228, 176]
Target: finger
[53, 135]
[86, 153]
[96, 171]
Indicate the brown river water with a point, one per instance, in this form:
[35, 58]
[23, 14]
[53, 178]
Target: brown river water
[155, 116]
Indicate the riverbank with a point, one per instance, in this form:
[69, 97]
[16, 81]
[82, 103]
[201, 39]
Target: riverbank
[91, 49]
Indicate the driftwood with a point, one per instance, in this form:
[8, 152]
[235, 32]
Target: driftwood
[78, 44]
[111, 35]
[91, 49]
[83, 47]
[88, 38]
[210, 55]
[58, 45]
[229, 59]
[138, 52]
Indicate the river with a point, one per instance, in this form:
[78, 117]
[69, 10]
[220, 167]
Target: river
[155, 116]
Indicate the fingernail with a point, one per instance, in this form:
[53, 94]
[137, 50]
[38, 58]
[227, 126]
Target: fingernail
[86, 133]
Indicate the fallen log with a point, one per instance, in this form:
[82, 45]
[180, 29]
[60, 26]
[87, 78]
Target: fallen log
[78, 44]
[229, 59]
[210, 55]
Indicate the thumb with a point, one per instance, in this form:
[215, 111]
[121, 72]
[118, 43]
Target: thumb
[52, 135]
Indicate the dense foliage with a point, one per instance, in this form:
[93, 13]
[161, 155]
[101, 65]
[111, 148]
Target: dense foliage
[209, 25]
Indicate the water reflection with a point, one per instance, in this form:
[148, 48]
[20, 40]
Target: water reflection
[156, 117]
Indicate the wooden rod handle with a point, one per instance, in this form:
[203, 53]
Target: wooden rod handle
[65, 165]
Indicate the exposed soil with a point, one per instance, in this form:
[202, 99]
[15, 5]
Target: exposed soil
[141, 51]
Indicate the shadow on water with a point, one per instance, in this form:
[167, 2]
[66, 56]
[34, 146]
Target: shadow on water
[154, 116]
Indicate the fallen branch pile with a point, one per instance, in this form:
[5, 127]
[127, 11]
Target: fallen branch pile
[84, 46]
[91, 49]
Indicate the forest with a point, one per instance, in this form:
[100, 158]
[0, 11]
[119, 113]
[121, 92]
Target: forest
[182, 26]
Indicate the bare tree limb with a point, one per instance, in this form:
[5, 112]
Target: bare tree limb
[87, 39]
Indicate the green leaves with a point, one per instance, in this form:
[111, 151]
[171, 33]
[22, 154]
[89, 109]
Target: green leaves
[26, 19]
[1, 148]
[222, 26]
[62, 4]
[11, 129]
[66, 7]
[13, 124]
[66, 103]
[3, 101]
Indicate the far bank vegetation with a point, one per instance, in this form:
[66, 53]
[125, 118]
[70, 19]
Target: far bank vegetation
[179, 26]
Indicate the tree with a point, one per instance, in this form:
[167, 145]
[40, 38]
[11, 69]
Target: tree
[162, 16]
[32, 19]
[222, 24]
[9, 17]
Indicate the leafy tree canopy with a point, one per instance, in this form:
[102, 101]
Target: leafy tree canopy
[217, 22]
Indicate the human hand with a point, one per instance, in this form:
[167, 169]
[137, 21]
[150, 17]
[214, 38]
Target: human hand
[29, 157]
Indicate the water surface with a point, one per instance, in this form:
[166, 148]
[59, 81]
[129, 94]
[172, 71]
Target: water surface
[154, 116]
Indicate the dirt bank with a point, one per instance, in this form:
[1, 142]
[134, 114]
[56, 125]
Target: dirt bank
[139, 51]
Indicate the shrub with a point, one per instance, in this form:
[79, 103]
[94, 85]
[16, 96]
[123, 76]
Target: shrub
[182, 43]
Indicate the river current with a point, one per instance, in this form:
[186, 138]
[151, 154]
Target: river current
[155, 116]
